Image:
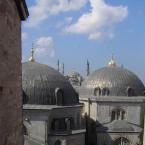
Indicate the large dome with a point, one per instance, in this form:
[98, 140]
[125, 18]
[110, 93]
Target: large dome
[112, 81]
[44, 85]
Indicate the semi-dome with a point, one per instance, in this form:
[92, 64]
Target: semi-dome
[45, 85]
[112, 81]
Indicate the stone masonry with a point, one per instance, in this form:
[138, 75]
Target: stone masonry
[11, 14]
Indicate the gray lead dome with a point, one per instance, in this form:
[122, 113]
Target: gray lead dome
[41, 82]
[116, 80]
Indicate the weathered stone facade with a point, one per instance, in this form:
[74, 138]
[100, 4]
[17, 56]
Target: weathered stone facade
[114, 106]
[10, 72]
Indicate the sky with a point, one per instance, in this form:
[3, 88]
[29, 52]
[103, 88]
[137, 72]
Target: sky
[76, 30]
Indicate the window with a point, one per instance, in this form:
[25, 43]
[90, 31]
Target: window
[113, 115]
[105, 92]
[130, 92]
[97, 91]
[118, 114]
[121, 141]
[62, 124]
[25, 98]
[123, 115]
[68, 123]
[59, 95]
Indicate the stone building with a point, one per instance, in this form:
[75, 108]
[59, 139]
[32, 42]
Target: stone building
[52, 114]
[11, 14]
[111, 109]
[113, 99]
[75, 79]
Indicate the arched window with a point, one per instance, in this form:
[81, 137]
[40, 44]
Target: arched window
[25, 98]
[113, 114]
[62, 124]
[97, 92]
[130, 91]
[118, 114]
[58, 142]
[105, 92]
[59, 95]
[68, 123]
[121, 141]
[123, 115]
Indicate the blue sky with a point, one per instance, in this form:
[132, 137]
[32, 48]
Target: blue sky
[76, 30]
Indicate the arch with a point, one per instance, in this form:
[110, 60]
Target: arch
[97, 91]
[123, 115]
[113, 115]
[130, 91]
[121, 141]
[25, 98]
[68, 124]
[118, 114]
[59, 95]
[58, 142]
[105, 92]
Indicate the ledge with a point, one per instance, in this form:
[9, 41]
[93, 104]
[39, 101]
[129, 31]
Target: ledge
[133, 99]
[48, 107]
[67, 133]
[22, 9]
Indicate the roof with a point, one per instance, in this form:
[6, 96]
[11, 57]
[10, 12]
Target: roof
[40, 82]
[120, 126]
[114, 78]
[22, 9]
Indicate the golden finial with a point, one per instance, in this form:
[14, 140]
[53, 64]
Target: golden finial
[31, 59]
[112, 62]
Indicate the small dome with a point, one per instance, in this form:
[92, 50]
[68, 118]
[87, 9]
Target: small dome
[112, 81]
[44, 85]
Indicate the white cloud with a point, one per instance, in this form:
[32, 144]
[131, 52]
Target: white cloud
[44, 47]
[64, 22]
[98, 22]
[43, 8]
[68, 19]
[24, 35]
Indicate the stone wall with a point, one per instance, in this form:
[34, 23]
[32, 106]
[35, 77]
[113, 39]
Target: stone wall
[10, 74]
[76, 139]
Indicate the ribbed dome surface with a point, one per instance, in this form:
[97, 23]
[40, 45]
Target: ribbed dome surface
[116, 79]
[40, 83]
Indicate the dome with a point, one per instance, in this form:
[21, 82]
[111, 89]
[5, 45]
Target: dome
[44, 85]
[112, 81]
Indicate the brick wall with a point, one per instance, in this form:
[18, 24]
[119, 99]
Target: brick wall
[10, 75]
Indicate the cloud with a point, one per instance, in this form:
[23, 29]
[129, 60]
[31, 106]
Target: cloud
[44, 47]
[44, 8]
[64, 22]
[24, 35]
[98, 22]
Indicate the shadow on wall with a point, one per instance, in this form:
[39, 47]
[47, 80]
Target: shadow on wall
[96, 136]
[91, 135]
